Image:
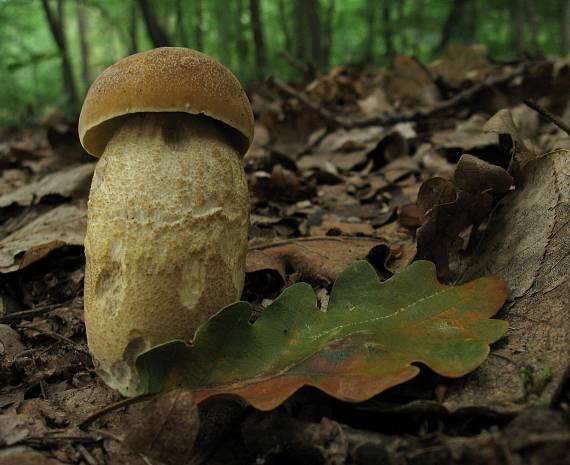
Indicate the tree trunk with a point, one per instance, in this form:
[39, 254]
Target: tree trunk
[454, 18]
[328, 30]
[283, 17]
[420, 10]
[224, 16]
[565, 27]
[471, 26]
[312, 8]
[82, 25]
[180, 29]
[255, 12]
[156, 34]
[518, 18]
[133, 31]
[242, 43]
[388, 33]
[56, 26]
[534, 20]
[371, 27]
[301, 31]
[402, 29]
[198, 26]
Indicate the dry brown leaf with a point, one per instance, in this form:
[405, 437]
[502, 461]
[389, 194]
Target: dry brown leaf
[527, 245]
[450, 208]
[341, 229]
[502, 123]
[168, 430]
[318, 259]
[22, 455]
[463, 65]
[467, 136]
[409, 84]
[70, 183]
[62, 226]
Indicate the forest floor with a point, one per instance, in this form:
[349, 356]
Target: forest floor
[334, 174]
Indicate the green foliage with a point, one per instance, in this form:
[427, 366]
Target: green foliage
[30, 64]
[364, 343]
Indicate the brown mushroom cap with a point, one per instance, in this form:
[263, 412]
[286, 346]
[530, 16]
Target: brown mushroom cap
[168, 79]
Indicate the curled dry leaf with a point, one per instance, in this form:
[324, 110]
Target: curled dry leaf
[71, 183]
[364, 343]
[503, 124]
[527, 244]
[450, 208]
[319, 260]
[168, 430]
[62, 226]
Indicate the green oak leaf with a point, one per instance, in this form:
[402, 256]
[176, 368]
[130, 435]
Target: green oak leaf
[364, 343]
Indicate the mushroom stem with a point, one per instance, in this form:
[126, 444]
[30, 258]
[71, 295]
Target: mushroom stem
[166, 237]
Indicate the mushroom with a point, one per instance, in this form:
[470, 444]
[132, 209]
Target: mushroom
[168, 208]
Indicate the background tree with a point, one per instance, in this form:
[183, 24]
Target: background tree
[155, 32]
[260, 59]
[56, 22]
[65, 43]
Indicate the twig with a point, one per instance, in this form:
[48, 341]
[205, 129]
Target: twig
[331, 120]
[314, 238]
[59, 337]
[295, 62]
[110, 408]
[456, 100]
[23, 314]
[89, 458]
[334, 121]
[548, 115]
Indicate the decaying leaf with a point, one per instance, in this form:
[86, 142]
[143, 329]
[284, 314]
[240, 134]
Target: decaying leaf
[168, 430]
[503, 124]
[450, 207]
[318, 259]
[64, 225]
[528, 245]
[364, 343]
[73, 182]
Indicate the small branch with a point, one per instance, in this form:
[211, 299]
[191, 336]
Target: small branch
[23, 314]
[331, 120]
[460, 98]
[111, 408]
[548, 115]
[465, 96]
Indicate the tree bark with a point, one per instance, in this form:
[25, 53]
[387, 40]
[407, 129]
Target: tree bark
[82, 25]
[260, 58]
[133, 31]
[518, 18]
[283, 17]
[56, 26]
[454, 18]
[371, 35]
[301, 31]
[565, 27]
[402, 20]
[328, 31]
[156, 34]
[242, 43]
[181, 30]
[198, 26]
[420, 10]
[471, 26]
[312, 8]
[534, 21]
[388, 33]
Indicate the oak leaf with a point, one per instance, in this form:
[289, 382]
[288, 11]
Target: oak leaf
[366, 341]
